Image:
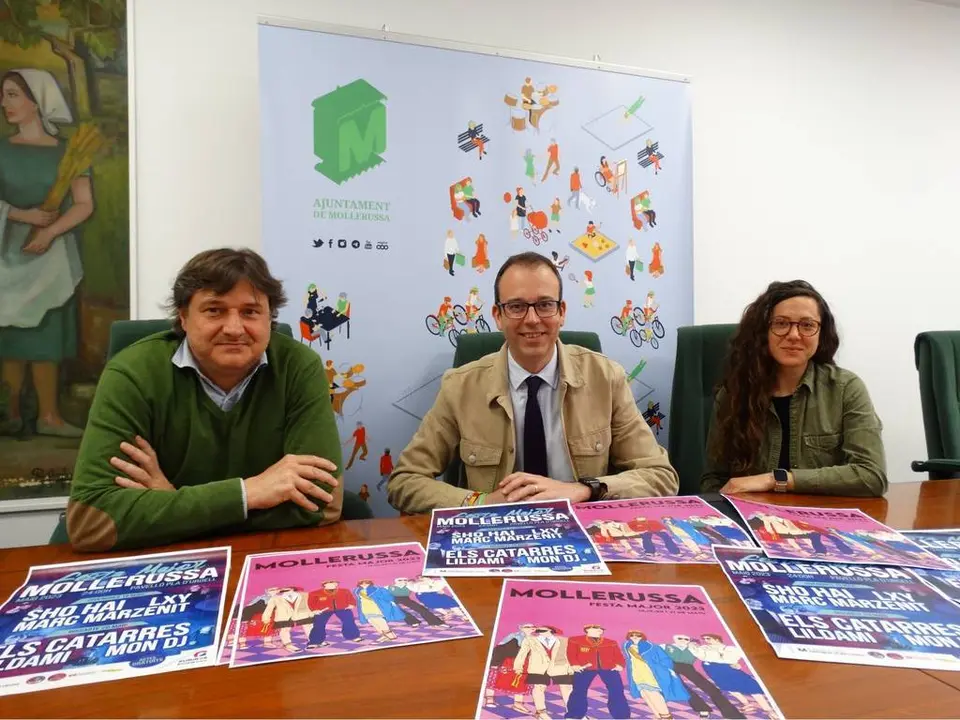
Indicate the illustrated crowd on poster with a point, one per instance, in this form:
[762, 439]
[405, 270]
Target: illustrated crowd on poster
[664, 530]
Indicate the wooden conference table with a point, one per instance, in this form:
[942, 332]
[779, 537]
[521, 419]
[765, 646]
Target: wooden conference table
[444, 679]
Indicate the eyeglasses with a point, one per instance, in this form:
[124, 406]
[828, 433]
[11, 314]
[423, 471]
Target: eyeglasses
[781, 327]
[518, 309]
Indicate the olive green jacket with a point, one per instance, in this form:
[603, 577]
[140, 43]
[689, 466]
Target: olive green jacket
[835, 443]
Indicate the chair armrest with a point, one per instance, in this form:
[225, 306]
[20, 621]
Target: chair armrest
[940, 467]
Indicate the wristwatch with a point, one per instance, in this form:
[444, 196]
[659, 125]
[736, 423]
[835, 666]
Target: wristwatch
[598, 490]
[780, 480]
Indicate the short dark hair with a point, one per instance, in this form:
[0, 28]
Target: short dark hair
[219, 271]
[526, 259]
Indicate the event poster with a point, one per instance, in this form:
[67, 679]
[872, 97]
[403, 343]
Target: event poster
[659, 530]
[616, 650]
[80, 623]
[344, 600]
[858, 614]
[229, 635]
[535, 538]
[843, 535]
[945, 544]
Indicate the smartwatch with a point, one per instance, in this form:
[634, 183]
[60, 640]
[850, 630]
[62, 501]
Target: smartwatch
[598, 490]
[780, 478]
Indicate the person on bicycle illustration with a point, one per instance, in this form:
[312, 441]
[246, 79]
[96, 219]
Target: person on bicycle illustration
[650, 307]
[626, 316]
[474, 304]
[445, 314]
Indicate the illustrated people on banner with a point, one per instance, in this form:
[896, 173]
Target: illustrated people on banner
[626, 316]
[816, 535]
[514, 221]
[609, 177]
[328, 602]
[521, 208]
[343, 305]
[553, 159]
[632, 258]
[376, 608]
[530, 171]
[450, 250]
[359, 437]
[504, 676]
[589, 291]
[386, 468]
[722, 665]
[402, 591]
[471, 199]
[591, 231]
[364, 492]
[474, 304]
[555, 214]
[650, 674]
[654, 158]
[286, 609]
[642, 207]
[650, 307]
[445, 314]
[656, 263]
[561, 265]
[478, 142]
[543, 656]
[695, 542]
[720, 533]
[576, 185]
[45, 195]
[481, 261]
[314, 298]
[591, 656]
[684, 663]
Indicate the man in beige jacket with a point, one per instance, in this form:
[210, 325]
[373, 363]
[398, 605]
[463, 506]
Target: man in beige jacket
[537, 421]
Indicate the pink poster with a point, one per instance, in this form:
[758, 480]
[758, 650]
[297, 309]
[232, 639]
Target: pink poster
[229, 635]
[659, 530]
[616, 650]
[343, 600]
[803, 533]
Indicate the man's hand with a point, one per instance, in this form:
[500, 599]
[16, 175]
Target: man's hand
[520, 487]
[144, 472]
[292, 478]
[750, 483]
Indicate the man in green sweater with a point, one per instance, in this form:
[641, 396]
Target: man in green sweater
[218, 425]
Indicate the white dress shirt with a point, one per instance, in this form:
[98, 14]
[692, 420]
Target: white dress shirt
[558, 461]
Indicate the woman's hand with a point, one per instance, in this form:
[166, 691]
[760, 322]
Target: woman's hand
[34, 216]
[39, 242]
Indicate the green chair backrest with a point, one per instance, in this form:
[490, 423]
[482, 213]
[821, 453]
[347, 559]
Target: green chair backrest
[127, 332]
[937, 355]
[474, 346]
[701, 351]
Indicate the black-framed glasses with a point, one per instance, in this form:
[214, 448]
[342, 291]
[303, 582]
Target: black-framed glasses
[518, 309]
[781, 327]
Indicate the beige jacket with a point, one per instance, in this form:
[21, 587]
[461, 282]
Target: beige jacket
[539, 660]
[473, 416]
[279, 609]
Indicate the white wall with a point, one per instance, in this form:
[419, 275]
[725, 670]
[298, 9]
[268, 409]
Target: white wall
[826, 146]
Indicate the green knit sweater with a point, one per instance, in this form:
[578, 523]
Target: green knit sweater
[204, 451]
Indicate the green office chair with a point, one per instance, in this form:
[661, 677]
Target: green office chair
[701, 351]
[474, 346]
[937, 356]
[127, 332]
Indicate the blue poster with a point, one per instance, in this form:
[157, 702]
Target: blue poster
[88, 622]
[535, 538]
[397, 177]
[945, 544]
[859, 614]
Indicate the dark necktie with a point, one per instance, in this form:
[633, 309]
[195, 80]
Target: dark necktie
[534, 438]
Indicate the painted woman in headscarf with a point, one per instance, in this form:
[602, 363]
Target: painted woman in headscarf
[39, 259]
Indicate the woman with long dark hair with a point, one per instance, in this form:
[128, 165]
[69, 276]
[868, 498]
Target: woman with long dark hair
[786, 418]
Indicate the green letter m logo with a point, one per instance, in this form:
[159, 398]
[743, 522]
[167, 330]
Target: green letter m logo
[349, 130]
